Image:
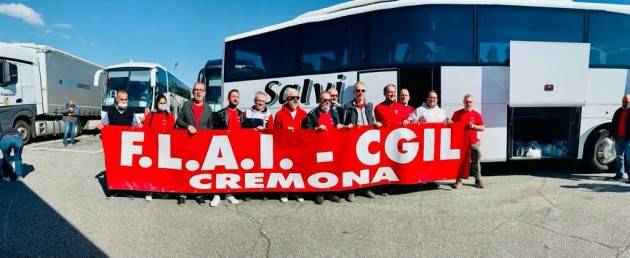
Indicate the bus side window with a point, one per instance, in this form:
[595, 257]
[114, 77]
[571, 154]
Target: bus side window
[8, 74]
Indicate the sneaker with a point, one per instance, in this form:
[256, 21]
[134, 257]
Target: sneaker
[370, 194]
[334, 198]
[181, 200]
[319, 199]
[148, 197]
[284, 197]
[216, 199]
[200, 200]
[457, 184]
[19, 179]
[6, 178]
[350, 197]
[479, 184]
[616, 177]
[299, 197]
[231, 199]
[65, 145]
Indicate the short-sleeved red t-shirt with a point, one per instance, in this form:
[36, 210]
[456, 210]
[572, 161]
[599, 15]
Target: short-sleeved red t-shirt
[469, 116]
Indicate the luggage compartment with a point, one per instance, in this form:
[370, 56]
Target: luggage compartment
[543, 132]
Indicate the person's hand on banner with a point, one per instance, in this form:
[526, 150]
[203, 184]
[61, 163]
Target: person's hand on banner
[340, 126]
[191, 130]
[322, 128]
[378, 124]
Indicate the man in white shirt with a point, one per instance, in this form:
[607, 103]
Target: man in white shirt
[429, 112]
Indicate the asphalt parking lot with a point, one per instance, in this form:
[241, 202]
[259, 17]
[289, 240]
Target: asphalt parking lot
[60, 210]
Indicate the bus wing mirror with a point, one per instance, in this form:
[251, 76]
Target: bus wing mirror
[153, 77]
[97, 77]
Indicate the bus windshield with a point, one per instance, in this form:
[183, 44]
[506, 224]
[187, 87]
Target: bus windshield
[136, 82]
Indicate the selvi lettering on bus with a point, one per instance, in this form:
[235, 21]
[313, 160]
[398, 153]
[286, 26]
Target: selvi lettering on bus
[275, 89]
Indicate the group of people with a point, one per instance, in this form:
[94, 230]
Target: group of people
[330, 114]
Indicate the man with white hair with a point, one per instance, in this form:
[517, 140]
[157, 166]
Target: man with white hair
[290, 117]
[258, 117]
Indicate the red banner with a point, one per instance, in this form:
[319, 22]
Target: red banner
[218, 161]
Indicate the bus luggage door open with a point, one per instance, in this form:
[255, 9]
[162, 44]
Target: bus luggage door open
[547, 88]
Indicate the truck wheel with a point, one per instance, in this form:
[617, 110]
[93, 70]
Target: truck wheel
[600, 151]
[25, 130]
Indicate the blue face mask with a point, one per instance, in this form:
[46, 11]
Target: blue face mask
[163, 107]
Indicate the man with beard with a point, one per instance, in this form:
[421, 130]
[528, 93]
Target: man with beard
[230, 118]
[323, 118]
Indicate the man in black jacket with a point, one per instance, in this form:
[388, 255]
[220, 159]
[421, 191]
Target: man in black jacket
[194, 115]
[323, 118]
[230, 117]
[620, 133]
[119, 114]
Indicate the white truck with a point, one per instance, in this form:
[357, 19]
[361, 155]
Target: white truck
[36, 81]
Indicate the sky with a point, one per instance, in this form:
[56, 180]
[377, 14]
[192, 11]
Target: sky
[186, 32]
[110, 32]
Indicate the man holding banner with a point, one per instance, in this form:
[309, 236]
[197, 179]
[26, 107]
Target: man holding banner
[323, 118]
[389, 112]
[474, 124]
[195, 115]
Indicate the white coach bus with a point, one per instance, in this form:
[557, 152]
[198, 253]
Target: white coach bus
[547, 75]
[143, 83]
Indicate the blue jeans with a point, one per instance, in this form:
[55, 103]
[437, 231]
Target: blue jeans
[622, 149]
[69, 129]
[8, 143]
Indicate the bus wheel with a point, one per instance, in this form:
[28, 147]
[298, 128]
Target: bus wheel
[601, 153]
[25, 130]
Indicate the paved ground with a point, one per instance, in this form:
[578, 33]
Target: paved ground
[60, 210]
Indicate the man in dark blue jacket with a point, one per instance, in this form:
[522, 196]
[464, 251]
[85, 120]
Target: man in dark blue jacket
[620, 133]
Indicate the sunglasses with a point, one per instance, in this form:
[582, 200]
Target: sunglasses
[294, 98]
[360, 90]
[326, 100]
[334, 96]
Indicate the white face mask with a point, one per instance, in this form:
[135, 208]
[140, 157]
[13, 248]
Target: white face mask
[122, 106]
[162, 107]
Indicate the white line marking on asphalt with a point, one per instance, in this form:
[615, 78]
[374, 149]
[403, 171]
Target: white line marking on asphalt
[64, 150]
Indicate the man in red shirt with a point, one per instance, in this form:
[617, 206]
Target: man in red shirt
[230, 117]
[620, 133]
[290, 115]
[474, 124]
[195, 115]
[323, 118]
[404, 102]
[389, 112]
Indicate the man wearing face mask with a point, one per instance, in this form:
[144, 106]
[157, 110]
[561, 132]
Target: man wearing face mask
[323, 118]
[230, 117]
[118, 114]
[620, 133]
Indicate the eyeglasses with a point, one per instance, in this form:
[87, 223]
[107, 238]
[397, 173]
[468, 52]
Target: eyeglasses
[360, 90]
[293, 98]
[199, 90]
[326, 100]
